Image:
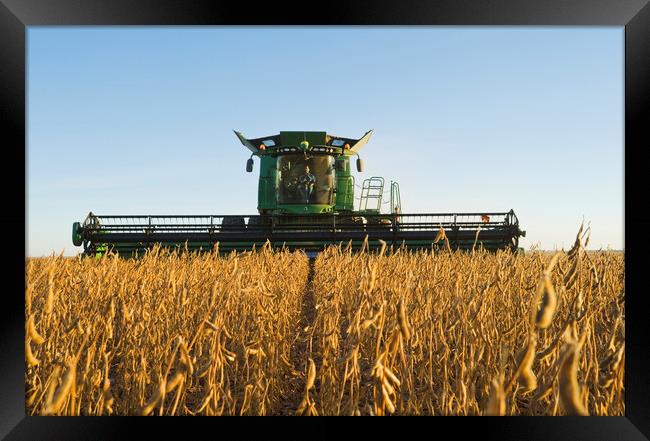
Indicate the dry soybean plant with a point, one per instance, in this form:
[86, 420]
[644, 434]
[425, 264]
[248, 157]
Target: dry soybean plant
[457, 333]
[165, 334]
[391, 332]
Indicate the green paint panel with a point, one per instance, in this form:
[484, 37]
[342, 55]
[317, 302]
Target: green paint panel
[295, 138]
[305, 209]
[267, 190]
[344, 193]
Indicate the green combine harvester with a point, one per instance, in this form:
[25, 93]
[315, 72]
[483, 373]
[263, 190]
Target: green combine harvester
[306, 201]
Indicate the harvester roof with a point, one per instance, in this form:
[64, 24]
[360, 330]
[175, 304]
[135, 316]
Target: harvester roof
[293, 139]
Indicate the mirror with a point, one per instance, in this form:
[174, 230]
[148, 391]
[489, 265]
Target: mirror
[359, 165]
[249, 165]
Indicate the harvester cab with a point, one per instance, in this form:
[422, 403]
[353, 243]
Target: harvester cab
[306, 201]
[305, 172]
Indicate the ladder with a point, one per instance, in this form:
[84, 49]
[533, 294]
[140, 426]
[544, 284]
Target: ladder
[372, 192]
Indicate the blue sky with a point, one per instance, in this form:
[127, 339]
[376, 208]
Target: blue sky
[139, 120]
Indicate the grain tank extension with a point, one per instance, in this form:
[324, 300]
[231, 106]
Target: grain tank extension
[307, 199]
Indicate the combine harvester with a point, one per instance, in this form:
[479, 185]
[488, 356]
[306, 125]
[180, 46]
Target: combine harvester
[305, 201]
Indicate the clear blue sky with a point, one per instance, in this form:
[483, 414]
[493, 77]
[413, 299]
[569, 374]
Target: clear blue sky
[139, 120]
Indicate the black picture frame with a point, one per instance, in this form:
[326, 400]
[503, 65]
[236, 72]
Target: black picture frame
[17, 15]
